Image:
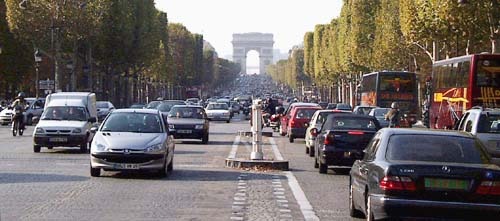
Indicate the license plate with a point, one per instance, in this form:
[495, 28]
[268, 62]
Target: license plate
[127, 166]
[448, 184]
[58, 139]
[184, 131]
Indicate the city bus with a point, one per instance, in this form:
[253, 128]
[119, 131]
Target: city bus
[384, 87]
[460, 83]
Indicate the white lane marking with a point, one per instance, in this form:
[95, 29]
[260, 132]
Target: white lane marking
[277, 153]
[300, 196]
[236, 142]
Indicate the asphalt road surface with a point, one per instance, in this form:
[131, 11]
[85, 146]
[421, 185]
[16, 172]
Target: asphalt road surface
[56, 185]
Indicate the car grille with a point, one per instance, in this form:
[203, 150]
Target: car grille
[58, 131]
[177, 126]
[128, 158]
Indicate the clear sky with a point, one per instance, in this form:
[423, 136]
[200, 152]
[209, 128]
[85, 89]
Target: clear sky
[217, 20]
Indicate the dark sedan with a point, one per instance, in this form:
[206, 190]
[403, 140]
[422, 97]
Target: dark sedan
[188, 122]
[411, 173]
[341, 140]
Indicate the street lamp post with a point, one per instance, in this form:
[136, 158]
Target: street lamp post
[38, 60]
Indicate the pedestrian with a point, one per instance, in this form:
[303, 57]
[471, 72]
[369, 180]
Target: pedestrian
[393, 116]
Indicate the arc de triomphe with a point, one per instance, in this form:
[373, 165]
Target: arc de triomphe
[260, 42]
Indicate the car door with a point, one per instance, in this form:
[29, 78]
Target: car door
[360, 169]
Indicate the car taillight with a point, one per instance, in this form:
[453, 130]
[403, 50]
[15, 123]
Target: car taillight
[329, 139]
[356, 132]
[397, 183]
[489, 188]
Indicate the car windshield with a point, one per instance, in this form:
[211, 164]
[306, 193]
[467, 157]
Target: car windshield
[65, 113]
[153, 105]
[102, 105]
[436, 148]
[305, 113]
[132, 122]
[349, 123]
[186, 112]
[343, 107]
[489, 123]
[219, 106]
[164, 107]
[380, 112]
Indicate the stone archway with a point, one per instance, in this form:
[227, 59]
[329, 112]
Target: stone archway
[260, 42]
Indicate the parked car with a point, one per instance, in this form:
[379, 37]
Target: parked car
[103, 109]
[362, 109]
[341, 140]
[445, 175]
[132, 139]
[218, 111]
[344, 107]
[299, 121]
[317, 120]
[283, 128]
[188, 122]
[380, 113]
[485, 124]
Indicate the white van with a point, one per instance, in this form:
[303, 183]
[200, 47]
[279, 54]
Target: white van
[66, 121]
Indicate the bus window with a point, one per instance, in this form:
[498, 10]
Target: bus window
[488, 73]
[463, 74]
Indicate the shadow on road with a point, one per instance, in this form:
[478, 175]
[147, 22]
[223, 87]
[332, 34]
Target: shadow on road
[189, 152]
[6, 178]
[60, 150]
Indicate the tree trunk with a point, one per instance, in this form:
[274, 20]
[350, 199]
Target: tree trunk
[494, 46]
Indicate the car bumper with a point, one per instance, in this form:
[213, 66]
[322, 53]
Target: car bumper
[298, 132]
[341, 157]
[188, 134]
[115, 161]
[385, 207]
[49, 141]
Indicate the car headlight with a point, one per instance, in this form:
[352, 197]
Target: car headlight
[100, 147]
[171, 126]
[40, 130]
[154, 148]
[77, 130]
[198, 127]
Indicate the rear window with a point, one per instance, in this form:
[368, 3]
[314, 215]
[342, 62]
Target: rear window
[305, 113]
[489, 124]
[436, 148]
[346, 123]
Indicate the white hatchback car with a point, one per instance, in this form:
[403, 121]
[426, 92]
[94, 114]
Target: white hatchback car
[218, 111]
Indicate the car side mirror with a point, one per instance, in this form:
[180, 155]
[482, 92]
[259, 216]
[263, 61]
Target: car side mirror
[93, 130]
[92, 120]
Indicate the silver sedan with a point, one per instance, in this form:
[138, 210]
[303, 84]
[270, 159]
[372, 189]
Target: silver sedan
[132, 139]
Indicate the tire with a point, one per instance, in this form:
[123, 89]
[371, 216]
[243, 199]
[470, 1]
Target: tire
[29, 120]
[323, 168]
[163, 171]
[311, 152]
[37, 148]
[291, 138]
[95, 172]
[83, 147]
[15, 125]
[204, 139]
[369, 212]
[353, 212]
[316, 165]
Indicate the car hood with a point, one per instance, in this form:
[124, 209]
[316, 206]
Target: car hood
[189, 121]
[127, 140]
[60, 124]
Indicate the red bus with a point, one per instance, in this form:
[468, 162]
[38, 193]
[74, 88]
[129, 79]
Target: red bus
[461, 83]
[384, 87]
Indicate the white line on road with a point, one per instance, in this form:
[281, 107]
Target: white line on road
[236, 142]
[277, 153]
[304, 204]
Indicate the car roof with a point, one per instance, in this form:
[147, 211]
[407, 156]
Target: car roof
[188, 105]
[304, 104]
[133, 110]
[425, 131]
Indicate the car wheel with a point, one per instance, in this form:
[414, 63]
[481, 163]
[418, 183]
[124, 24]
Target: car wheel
[369, 212]
[163, 171]
[204, 139]
[323, 168]
[316, 165]
[37, 148]
[353, 212]
[83, 147]
[290, 138]
[95, 172]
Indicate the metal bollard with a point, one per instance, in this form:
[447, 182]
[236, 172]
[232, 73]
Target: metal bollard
[257, 131]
